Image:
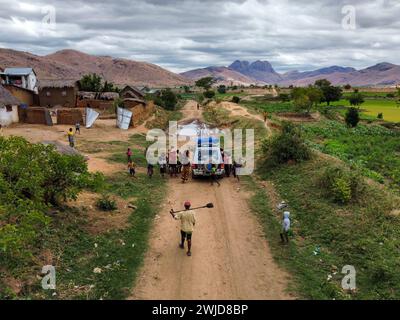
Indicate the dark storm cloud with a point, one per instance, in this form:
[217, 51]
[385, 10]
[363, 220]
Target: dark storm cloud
[185, 34]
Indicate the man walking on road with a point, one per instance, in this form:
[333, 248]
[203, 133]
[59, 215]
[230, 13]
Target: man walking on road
[188, 221]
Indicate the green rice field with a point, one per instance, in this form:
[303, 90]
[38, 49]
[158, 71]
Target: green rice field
[389, 108]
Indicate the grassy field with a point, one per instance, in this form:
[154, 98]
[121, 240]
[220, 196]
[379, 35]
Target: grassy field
[327, 236]
[372, 148]
[372, 107]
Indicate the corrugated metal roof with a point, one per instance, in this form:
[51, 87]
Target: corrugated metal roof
[18, 71]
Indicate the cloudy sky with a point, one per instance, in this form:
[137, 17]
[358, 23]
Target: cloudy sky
[184, 34]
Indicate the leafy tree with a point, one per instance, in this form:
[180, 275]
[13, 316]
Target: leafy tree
[330, 93]
[222, 89]
[91, 82]
[108, 87]
[347, 86]
[352, 117]
[322, 83]
[205, 83]
[209, 94]
[168, 99]
[356, 99]
[306, 98]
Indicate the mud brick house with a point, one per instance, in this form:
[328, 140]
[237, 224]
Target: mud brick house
[8, 107]
[54, 93]
[134, 101]
[132, 93]
[97, 100]
[26, 96]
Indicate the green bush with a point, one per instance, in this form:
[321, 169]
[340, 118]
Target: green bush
[221, 89]
[235, 99]
[352, 117]
[106, 204]
[344, 185]
[284, 97]
[209, 94]
[287, 146]
[33, 178]
[329, 113]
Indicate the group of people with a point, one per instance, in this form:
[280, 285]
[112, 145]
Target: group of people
[174, 163]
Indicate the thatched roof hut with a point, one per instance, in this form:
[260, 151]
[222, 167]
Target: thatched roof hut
[131, 92]
[57, 83]
[110, 96]
[6, 98]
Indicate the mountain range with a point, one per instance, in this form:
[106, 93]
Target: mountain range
[72, 64]
[262, 72]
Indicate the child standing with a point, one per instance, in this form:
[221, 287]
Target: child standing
[131, 168]
[71, 138]
[78, 128]
[129, 154]
[285, 227]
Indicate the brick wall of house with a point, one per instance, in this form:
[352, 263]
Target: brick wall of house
[69, 116]
[65, 97]
[23, 95]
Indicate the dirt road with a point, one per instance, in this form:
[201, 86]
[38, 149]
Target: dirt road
[231, 258]
[238, 110]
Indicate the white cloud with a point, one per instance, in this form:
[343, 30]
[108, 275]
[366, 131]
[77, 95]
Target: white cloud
[186, 34]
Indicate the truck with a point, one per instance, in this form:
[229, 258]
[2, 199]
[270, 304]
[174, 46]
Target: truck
[207, 154]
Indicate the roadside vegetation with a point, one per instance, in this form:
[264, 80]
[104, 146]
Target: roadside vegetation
[338, 219]
[373, 149]
[96, 244]
[344, 205]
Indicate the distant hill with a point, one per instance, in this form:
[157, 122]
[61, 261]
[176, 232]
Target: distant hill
[262, 72]
[223, 75]
[71, 64]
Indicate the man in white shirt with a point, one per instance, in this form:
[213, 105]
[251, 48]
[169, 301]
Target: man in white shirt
[188, 221]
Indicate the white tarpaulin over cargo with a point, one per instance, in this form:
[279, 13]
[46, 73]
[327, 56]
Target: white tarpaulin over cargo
[123, 118]
[91, 117]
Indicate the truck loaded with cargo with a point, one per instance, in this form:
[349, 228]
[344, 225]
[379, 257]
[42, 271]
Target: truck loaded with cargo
[207, 158]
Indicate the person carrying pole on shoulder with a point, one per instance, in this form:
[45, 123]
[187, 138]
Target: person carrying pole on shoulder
[188, 221]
